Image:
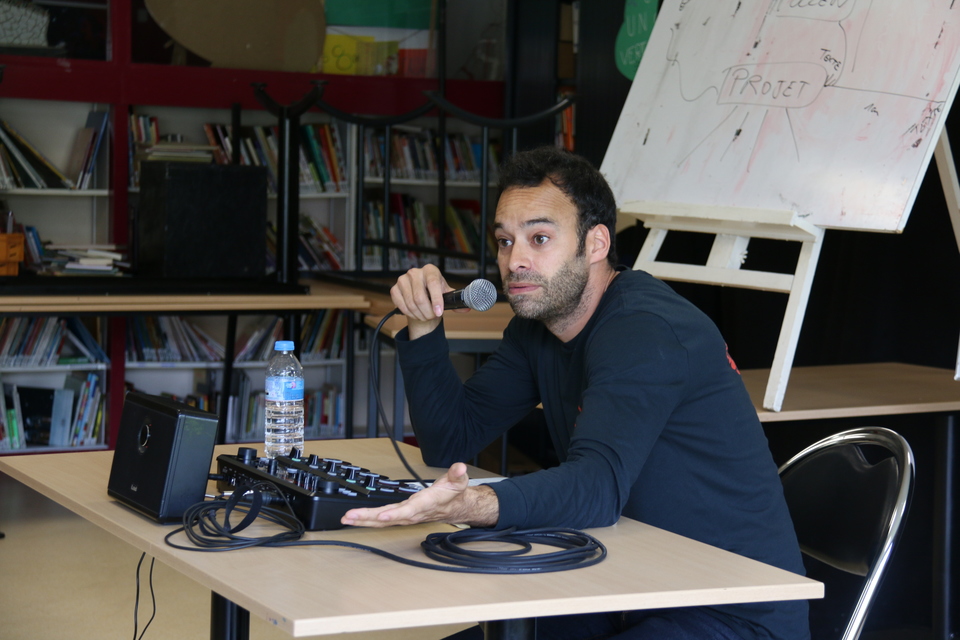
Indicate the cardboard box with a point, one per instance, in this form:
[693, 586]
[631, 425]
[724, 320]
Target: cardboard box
[11, 253]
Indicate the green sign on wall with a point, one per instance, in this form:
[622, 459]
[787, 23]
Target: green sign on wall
[638, 19]
[403, 14]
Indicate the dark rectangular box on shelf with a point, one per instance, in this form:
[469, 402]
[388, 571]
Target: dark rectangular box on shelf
[201, 221]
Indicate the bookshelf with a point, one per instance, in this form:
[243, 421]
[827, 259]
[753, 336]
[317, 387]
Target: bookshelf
[324, 201]
[43, 89]
[68, 215]
[415, 218]
[53, 375]
[183, 357]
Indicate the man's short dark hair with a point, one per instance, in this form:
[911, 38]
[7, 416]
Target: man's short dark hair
[583, 184]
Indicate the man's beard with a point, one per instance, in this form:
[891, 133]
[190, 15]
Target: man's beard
[559, 298]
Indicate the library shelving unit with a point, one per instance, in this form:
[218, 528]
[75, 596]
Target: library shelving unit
[184, 357]
[392, 228]
[414, 215]
[39, 90]
[53, 373]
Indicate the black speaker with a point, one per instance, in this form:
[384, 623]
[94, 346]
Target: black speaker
[201, 221]
[163, 456]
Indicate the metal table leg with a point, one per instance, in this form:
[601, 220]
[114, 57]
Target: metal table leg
[519, 629]
[227, 620]
[945, 569]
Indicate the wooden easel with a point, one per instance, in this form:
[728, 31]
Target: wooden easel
[733, 228]
[947, 169]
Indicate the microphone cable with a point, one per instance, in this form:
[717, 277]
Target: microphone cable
[374, 375]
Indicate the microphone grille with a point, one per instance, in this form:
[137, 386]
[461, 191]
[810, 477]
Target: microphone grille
[480, 295]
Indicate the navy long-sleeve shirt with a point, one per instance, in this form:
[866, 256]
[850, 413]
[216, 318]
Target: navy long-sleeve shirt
[649, 418]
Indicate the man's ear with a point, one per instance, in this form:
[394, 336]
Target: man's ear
[598, 243]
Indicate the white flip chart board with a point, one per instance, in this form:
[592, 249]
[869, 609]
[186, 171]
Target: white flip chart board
[827, 108]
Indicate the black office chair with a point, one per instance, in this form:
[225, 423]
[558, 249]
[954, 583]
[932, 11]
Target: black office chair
[848, 495]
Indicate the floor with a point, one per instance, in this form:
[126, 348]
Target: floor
[63, 578]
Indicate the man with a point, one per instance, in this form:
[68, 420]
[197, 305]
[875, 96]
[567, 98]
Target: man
[645, 408]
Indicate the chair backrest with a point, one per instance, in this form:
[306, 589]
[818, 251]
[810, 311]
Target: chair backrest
[848, 507]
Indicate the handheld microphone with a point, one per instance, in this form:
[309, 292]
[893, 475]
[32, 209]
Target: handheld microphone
[479, 295]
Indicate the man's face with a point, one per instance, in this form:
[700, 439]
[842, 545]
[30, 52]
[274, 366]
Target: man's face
[536, 231]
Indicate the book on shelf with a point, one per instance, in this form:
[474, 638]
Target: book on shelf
[8, 439]
[80, 154]
[468, 213]
[318, 164]
[31, 341]
[169, 339]
[320, 155]
[410, 221]
[60, 418]
[219, 154]
[16, 438]
[250, 410]
[414, 155]
[86, 424]
[41, 171]
[144, 131]
[35, 251]
[80, 336]
[175, 152]
[9, 177]
[413, 222]
[323, 412]
[321, 336]
[76, 260]
[258, 346]
[90, 265]
[320, 248]
[98, 121]
[566, 133]
[23, 173]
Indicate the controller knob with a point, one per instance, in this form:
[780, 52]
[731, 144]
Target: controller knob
[332, 465]
[314, 460]
[247, 454]
[369, 479]
[350, 472]
[328, 487]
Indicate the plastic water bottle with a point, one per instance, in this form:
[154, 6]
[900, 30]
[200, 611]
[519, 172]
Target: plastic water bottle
[283, 430]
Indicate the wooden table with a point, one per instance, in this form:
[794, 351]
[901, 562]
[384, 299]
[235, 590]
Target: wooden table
[888, 389]
[857, 390]
[320, 296]
[313, 591]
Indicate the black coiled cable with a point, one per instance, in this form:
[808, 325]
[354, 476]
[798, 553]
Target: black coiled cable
[577, 549]
[207, 533]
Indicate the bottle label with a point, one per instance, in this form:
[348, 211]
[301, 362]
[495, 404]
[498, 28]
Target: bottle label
[284, 389]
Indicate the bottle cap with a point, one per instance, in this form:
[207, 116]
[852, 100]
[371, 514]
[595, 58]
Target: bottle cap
[283, 345]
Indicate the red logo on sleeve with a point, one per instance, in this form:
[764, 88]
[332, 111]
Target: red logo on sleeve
[733, 365]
